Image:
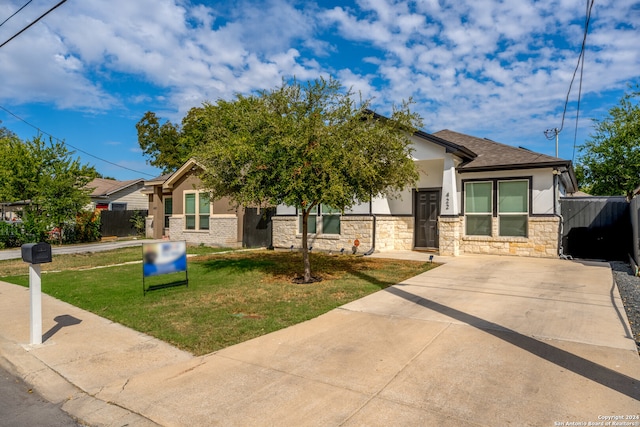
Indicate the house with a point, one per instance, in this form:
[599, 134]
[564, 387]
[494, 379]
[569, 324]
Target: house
[474, 195]
[11, 211]
[112, 195]
[180, 209]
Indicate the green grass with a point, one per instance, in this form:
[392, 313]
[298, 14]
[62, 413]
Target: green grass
[230, 298]
[83, 261]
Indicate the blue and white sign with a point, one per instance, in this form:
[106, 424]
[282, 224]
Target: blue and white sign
[163, 258]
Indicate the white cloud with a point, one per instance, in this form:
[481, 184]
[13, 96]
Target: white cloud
[470, 64]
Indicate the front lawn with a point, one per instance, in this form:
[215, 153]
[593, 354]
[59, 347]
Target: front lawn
[231, 297]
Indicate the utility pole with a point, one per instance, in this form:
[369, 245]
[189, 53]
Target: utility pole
[549, 133]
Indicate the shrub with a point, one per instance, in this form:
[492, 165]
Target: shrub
[139, 222]
[85, 228]
[13, 235]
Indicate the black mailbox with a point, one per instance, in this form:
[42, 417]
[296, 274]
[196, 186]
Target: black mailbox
[36, 253]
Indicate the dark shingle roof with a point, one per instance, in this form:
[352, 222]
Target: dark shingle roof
[159, 179]
[491, 155]
[104, 187]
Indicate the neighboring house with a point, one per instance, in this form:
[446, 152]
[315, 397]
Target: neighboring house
[180, 209]
[11, 211]
[112, 195]
[474, 195]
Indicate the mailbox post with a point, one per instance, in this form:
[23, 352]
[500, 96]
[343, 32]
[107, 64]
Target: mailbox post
[36, 254]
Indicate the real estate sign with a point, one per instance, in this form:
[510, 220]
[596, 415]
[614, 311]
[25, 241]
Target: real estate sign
[164, 258]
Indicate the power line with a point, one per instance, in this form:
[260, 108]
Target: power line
[16, 12]
[586, 28]
[29, 26]
[551, 133]
[75, 148]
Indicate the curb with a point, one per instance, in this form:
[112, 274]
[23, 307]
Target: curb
[84, 408]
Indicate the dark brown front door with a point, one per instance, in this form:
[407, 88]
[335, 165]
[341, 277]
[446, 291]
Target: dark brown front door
[427, 205]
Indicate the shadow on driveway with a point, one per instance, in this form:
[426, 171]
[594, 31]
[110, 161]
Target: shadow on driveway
[609, 378]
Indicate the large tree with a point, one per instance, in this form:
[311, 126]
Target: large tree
[304, 145]
[169, 145]
[47, 177]
[610, 162]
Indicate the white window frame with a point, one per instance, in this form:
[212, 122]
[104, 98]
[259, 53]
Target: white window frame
[316, 217]
[478, 214]
[198, 225]
[313, 215]
[524, 213]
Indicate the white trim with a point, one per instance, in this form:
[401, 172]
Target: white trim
[186, 167]
[197, 213]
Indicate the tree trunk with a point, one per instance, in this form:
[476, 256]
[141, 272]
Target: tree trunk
[305, 246]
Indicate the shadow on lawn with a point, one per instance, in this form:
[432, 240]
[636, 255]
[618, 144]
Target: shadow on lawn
[288, 266]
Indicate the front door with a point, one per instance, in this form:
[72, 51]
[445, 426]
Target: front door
[427, 207]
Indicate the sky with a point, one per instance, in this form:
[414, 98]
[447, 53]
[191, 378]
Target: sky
[89, 70]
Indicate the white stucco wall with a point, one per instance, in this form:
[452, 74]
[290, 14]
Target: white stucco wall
[541, 186]
[423, 150]
[285, 210]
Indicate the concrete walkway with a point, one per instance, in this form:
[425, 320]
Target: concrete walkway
[481, 340]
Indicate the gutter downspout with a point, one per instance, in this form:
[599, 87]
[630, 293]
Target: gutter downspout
[557, 214]
[373, 240]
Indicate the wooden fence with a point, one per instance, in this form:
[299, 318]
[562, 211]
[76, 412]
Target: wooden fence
[119, 223]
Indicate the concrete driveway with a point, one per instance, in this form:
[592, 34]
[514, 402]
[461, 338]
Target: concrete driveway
[481, 340]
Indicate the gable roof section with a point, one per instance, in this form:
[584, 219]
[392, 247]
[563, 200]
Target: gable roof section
[105, 187]
[189, 165]
[491, 155]
[158, 180]
[154, 182]
[449, 146]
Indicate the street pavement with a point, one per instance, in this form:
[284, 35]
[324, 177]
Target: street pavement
[20, 406]
[6, 254]
[479, 341]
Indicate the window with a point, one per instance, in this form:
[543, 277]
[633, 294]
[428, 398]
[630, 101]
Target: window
[311, 222]
[168, 210]
[197, 207]
[329, 217]
[204, 210]
[118, 206]
[478, 208]
[513, 208]
[330, 220]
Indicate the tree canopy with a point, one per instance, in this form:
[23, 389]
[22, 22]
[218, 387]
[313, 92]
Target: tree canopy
[169, 145]
[610, 162]
[46, 176]
[304, 145]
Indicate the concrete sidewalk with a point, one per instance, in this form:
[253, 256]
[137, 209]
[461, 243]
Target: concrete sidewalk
[481, 340]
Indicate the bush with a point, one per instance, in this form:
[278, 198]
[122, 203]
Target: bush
[85, 228]
[139, 222]
[13, 235]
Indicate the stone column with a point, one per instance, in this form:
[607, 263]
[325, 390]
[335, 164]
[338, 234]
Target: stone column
[449, 230]
[449, 201]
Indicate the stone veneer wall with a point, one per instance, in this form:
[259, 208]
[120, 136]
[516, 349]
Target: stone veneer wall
[223, 231]
[148, 227]
[449, 235]
[542, 241]
[392, 233]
